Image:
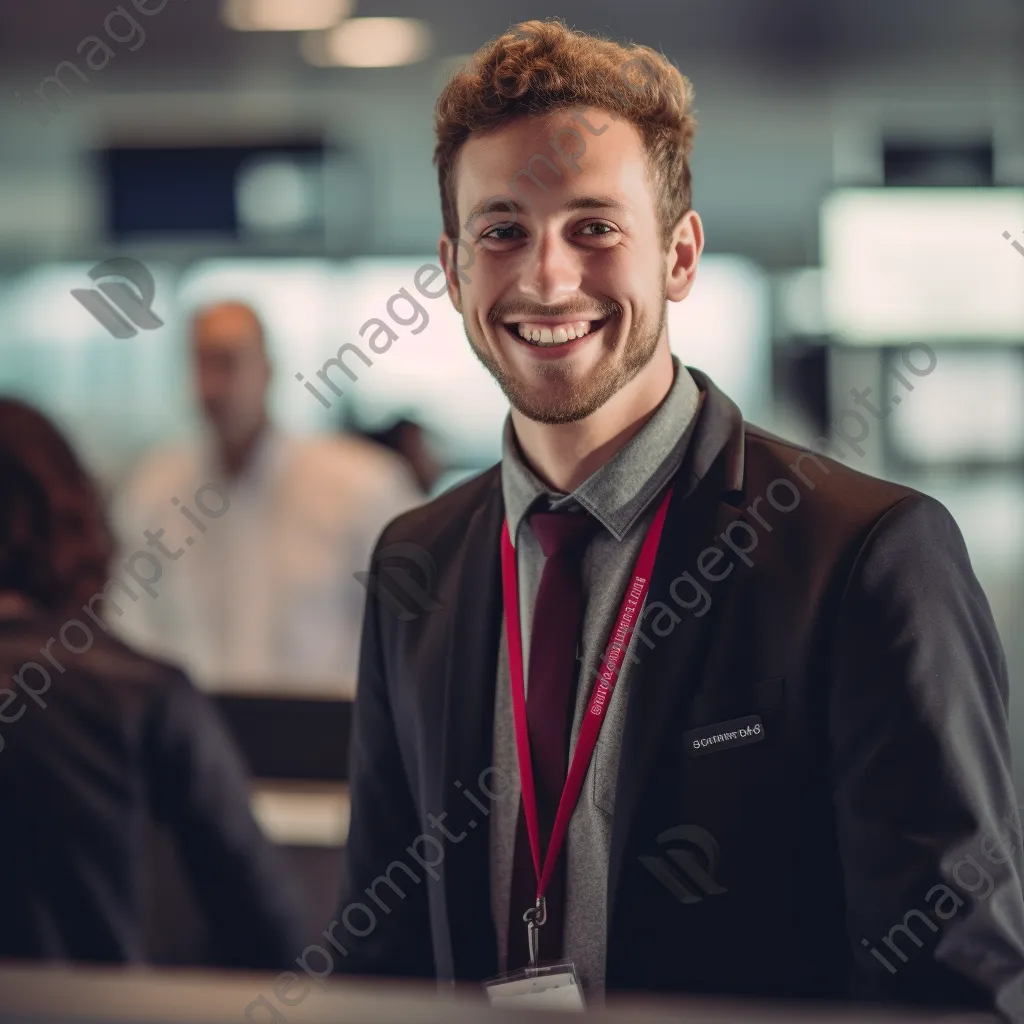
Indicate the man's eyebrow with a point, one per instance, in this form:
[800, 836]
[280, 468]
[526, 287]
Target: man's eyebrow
[494, 206]
[595, 203]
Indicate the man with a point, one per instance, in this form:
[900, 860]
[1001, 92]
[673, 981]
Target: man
[808, 733]
[254, 536]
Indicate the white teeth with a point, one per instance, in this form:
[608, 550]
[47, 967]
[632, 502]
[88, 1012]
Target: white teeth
[545, 334]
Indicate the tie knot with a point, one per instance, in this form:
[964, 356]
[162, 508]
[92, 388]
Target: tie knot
[562, 532]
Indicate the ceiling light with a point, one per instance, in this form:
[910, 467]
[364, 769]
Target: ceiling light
[283, 15]
[369, 43]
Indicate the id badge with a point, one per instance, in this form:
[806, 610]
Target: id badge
[554, 986]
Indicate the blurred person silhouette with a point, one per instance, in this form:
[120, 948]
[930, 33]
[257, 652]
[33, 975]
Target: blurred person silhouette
[267, 596]
[407, 439]
[96, 738]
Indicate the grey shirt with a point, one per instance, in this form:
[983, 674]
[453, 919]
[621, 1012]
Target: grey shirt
[621, 495]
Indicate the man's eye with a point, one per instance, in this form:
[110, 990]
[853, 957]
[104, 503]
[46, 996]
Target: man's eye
[606, 228]
[492, 233]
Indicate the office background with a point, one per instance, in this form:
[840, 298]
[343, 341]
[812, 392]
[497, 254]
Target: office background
[859, 169]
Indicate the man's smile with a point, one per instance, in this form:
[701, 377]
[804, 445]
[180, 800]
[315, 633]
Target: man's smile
[551, 333]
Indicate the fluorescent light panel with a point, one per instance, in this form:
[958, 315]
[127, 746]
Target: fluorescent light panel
[369, 43]
[284, 15]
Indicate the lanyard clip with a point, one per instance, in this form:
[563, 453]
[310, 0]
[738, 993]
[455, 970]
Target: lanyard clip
[534, 918]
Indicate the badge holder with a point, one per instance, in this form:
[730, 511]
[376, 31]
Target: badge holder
[552, 986]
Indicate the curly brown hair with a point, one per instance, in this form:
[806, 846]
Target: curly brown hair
[55, 543]
[541, 66]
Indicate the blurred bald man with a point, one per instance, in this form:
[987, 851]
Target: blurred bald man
[253, 536]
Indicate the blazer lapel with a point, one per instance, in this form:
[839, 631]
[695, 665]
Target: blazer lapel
[466, 742]
[668, 674]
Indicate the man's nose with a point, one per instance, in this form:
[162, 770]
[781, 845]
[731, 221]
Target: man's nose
[552, 270]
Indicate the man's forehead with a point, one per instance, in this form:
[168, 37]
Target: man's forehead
[226, 327]
[533, 158]
[545, 134]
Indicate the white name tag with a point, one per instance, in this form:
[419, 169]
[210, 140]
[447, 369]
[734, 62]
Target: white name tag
[551, 987]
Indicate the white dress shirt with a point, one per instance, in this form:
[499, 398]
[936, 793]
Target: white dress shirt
[261, 596]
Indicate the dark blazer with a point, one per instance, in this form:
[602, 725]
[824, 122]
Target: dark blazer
[855, 631]
[114, 738]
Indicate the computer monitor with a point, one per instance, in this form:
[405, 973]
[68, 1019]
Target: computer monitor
[968, 414]
[924, 264]
[723, 327]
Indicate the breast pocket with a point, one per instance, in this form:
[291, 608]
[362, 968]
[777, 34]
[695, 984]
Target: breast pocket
[734, 754]
[747, 715]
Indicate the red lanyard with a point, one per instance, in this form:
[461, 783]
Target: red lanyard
[599, 697]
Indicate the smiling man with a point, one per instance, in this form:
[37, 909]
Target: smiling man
[726, 784]
[562, 354]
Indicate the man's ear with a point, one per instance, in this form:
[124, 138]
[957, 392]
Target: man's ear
[447, 257]
[683, 256]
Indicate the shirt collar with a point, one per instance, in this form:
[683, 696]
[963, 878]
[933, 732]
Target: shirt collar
[618, 492]
[263, 464]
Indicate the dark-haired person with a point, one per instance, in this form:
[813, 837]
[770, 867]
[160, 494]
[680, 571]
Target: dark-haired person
[89, 751]
[808, 734]
[408, 439]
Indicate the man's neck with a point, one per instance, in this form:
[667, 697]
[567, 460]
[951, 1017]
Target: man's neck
[236, 455]
[563, 455]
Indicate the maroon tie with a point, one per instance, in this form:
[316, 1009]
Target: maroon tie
[551, 690]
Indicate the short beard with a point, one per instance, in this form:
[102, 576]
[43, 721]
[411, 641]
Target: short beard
[576, 401]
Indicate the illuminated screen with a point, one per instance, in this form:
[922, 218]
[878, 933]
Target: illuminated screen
[416, 362]
[723, 328]
[924, 265]
[969, 411]
[113, 394]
